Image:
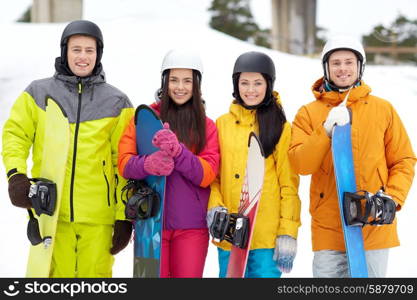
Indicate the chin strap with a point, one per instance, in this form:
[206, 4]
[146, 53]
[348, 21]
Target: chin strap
[330, 86]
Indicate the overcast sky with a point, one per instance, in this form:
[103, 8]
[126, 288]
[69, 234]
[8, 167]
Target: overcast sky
[354, 17]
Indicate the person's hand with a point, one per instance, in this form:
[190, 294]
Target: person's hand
[337, 115]
[19, 186]
[211, 212]
[284, 253]
[383, 208]
[121, 236]
[159, 163]
[167, 141]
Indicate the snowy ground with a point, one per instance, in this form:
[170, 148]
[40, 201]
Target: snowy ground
[135, 44]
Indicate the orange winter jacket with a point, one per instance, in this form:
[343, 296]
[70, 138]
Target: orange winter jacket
[382, 154]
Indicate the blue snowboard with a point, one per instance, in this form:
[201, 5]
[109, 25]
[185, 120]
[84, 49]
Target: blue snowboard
[345, 182]
[148, 232]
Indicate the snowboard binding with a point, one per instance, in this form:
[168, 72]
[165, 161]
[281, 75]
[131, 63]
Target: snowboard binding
[363, 208]
[142, 201]
[233, 228]
[43, 196]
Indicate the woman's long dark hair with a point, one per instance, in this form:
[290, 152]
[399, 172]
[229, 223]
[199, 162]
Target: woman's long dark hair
[271, 119]
[188, 121]
[269, 114]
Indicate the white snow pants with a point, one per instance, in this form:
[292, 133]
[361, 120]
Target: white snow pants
[331, 263]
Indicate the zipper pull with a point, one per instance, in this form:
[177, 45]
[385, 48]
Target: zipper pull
[79, 88]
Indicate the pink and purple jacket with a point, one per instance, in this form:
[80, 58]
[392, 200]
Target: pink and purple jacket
[188, 187]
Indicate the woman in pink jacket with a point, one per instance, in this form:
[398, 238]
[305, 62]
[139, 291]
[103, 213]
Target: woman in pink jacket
[188, 156]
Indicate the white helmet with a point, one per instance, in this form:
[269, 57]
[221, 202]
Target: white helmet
[182, 59]
[343, 43]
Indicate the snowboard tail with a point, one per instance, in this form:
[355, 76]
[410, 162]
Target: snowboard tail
[249, 203]
[54, 159]
[148, 232]
[345, 182]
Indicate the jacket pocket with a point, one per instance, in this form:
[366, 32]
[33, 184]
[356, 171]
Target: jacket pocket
[321, 188]
[116, 178]
[383, 177]
[107, 183]
[317, 192]
[320, 182]
[327, 163]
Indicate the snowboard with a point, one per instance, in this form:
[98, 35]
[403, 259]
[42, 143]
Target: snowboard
[345, 182]
[148, 232]
[54, 159]
[249, 203]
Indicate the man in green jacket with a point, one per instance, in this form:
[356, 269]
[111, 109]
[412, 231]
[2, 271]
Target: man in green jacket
[91, 224]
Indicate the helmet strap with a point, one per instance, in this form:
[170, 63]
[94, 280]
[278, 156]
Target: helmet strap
[265, 102]
[164, 75]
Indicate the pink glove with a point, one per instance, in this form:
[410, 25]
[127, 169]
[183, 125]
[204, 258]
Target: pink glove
[167, 141]
[159, 163]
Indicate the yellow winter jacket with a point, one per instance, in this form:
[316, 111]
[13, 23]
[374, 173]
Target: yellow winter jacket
[382, 154]
[98, 114]
[279, 208]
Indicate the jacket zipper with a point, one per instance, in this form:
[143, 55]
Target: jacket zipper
[74, 155]
[107, 183]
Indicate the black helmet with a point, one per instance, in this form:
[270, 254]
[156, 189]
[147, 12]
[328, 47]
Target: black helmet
[255, 62]
[82, 27]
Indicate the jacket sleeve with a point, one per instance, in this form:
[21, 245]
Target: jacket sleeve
[201, 169]
[18, 134]
[308, 145]
[400, 159]
[123, 120]
[130, 164]
[216, 198]
[290, 204]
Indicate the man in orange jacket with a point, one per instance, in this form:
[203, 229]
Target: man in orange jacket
[382, 154]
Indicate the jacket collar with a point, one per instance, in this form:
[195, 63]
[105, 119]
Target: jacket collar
[247, 116]
[86, 81]
[156, 106]
[334, 98]
[64, 74]
[242, 115]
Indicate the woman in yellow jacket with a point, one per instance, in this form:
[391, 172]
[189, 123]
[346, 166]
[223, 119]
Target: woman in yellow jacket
[257, 108]
[382, 154]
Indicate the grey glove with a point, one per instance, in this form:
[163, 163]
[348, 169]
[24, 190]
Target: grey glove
[212, 212]
[285, 251]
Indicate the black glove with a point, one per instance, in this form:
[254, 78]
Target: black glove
[121, 236]
[19, 186]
